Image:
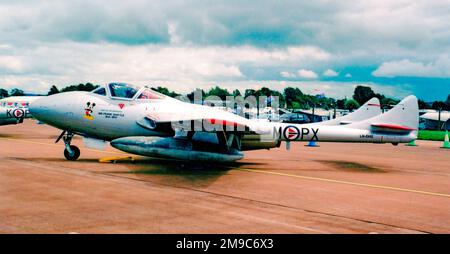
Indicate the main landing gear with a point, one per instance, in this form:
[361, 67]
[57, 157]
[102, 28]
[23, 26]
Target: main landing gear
[71, 152]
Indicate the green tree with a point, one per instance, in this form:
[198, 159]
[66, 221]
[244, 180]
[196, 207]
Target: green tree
[16, 92]
[324, 102]
[351, 105]
[363, 93]
[69, 88]
[340, 104]
[281, 99]
[236, 92]
[80, 87]
[295, 105]
[249, 92]
[292, 95]
[165, 91]
[422, 104]
[387, 102]
[197, 90]
[53, 90]
[3, 93]
[308, 101]
[439, 105]
[217, 91]
[264, 91]
[89, 87]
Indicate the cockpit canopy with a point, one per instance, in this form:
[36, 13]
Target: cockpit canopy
[128, 92]
[122, 90]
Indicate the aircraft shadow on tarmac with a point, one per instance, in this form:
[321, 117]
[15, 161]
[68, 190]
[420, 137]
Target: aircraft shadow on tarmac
[162, 171]
[351, 166]
[180, 173]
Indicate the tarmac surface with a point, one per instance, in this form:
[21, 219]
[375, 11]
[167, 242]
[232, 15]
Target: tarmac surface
[335, 188]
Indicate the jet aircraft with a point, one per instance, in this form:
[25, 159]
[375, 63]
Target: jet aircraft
[14, 109]
[144, 122]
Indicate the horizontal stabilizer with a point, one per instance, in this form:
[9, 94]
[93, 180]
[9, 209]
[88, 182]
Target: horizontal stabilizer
[391, 127]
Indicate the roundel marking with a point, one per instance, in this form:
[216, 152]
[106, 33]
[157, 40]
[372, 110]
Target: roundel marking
[291, 132]
[18, 113]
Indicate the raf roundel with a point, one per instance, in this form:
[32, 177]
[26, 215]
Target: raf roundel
[18, 113]
[291, 132]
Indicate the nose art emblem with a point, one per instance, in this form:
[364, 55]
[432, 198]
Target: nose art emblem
[89, 110]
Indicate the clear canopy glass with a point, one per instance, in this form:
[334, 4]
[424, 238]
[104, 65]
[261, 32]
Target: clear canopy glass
[128, 91]
[122, 90]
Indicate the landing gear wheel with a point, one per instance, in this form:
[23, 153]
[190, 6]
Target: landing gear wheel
[74, 155]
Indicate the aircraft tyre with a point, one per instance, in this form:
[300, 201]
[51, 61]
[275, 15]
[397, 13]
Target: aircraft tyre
[75, 153]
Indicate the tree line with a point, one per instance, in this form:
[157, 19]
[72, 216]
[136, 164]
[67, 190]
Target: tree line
[294, 98]
[14, 92]
[290, 97]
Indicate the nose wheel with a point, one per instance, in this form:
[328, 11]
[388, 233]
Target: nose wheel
[71, 152]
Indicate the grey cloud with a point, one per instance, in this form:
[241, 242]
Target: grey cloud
[367, 31]
[82, 21]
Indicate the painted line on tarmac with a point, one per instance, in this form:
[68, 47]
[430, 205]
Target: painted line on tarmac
[347, 182]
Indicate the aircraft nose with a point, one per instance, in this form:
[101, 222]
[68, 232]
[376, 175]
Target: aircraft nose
[39, 107]
[47, 108]
[56, 110]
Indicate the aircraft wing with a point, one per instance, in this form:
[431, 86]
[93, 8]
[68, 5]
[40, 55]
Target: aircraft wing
[435, 116]
[174, 113]
[196, 112]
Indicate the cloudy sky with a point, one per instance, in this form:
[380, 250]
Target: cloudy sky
[397, 47]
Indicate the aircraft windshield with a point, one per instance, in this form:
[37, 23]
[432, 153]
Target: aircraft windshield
[122, 90]
[100, 90]
[148, 94]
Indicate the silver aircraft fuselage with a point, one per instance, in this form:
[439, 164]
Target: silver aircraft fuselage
[108, 119]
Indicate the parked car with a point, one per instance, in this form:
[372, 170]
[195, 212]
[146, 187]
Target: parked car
[294, 118]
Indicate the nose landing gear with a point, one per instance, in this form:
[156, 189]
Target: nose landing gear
[71, 152]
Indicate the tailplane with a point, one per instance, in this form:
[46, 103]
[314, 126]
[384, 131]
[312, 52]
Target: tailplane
[370, 109]
[403, 118]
